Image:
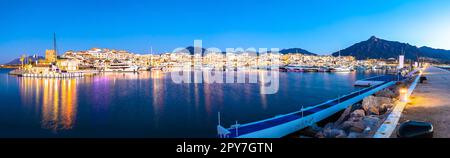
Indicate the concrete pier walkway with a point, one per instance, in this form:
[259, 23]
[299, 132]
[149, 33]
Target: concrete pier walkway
[430, 102]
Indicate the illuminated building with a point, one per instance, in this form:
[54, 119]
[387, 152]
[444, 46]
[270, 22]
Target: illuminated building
[50, 56]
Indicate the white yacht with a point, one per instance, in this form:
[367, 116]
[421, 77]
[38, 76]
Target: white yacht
[121, 67]
[341, 69]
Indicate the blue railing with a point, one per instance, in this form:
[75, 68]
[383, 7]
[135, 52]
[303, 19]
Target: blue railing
[253, 127]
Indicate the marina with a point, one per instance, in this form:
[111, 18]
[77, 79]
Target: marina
[224, 78]
[73, 107]
[107, 66]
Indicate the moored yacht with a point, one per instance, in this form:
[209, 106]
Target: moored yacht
[323, 69]
[293, 68]
[341, 69]
[121, 67]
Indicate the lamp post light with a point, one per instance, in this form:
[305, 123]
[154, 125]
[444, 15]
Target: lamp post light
[403, 95]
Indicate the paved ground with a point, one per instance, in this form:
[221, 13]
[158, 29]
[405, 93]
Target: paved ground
[430, 102]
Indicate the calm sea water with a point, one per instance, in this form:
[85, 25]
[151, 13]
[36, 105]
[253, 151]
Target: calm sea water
[149, 104]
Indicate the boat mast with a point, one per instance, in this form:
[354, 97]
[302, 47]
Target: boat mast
[54, 44]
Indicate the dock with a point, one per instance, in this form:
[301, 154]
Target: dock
[387, 128]
[373, 81]
[21, 73]
[430, 102]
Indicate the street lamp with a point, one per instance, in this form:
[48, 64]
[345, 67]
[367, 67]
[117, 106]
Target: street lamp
[403, 96]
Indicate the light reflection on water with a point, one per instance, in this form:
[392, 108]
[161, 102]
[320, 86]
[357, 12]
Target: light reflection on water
[58, 101]
[149, 104]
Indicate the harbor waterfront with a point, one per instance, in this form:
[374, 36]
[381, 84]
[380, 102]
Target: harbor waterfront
[224, 77]
[431, 98]
[150, 104]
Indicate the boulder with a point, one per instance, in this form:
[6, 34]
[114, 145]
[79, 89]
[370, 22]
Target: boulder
[371, 121]
[334, 133]
[344, 115]
[370, 105]
[329, 126]
[354, 126]
[376, 105]
[354, 123]
[385, 107]
[395, 91]
[357, 114]
[320, 135]
[355, 135]
[330, 132]
[356, 106]
[311, 131]
[386, 93]
[384, 100]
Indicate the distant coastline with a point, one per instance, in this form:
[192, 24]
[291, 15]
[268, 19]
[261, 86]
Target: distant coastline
[9, 66]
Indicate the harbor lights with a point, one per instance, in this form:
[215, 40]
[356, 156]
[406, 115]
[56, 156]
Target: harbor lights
[403, 95]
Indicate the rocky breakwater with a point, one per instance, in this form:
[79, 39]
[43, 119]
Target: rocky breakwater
[362, 120]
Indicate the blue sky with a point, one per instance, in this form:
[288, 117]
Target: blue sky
[320, 26]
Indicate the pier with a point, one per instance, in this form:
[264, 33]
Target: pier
[430, 102]
[22, 73]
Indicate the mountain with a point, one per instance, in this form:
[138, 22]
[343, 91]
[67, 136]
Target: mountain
[283, 51]
[376, 48]
[296, 50]
[17, 61]
[435, 53]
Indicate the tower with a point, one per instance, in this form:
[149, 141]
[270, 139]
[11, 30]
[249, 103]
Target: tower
[401, 59]
[52, 55]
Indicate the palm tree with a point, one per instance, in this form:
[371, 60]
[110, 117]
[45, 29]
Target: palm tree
[22, 59]
[30, 61]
